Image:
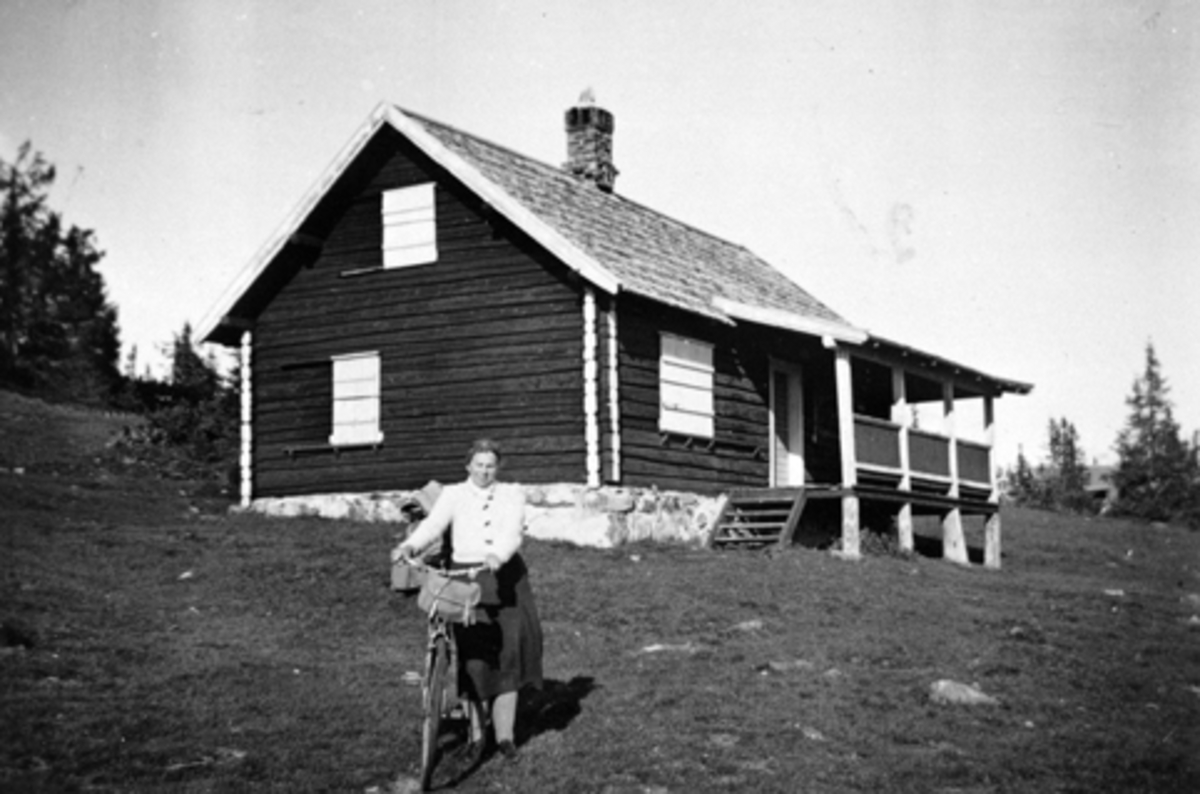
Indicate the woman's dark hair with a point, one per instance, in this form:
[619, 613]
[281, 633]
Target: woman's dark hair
[485, 445]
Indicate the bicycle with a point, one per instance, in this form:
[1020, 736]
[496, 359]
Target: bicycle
[439, 686]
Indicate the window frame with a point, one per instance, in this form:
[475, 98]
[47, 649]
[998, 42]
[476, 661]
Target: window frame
[350, 392]
[686, 386]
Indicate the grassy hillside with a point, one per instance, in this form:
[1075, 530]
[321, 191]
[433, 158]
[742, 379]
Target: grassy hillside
[154, 642]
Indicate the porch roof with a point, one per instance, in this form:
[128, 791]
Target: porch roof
[938, 368]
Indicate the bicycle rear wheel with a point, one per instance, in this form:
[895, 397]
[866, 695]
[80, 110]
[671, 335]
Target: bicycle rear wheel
[435, 707]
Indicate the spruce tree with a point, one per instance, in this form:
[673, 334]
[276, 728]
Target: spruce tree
[1022, 484]
[1156, 477]
[1068, 472]
[201, 409]
[58, 332]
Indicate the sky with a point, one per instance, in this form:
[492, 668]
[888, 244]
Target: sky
[1010, 184]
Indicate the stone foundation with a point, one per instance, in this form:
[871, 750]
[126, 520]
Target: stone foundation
[596, 517]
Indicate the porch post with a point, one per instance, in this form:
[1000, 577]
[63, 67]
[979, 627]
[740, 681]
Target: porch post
[902, 416]
[954, 545]
[991, 531]
[851, 547]
[245, 456]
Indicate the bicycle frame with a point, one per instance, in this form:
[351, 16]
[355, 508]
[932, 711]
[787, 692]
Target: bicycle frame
[439, 687]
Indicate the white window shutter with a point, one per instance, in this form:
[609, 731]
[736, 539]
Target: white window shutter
[409, 226]
[356, 399]
[686, 387]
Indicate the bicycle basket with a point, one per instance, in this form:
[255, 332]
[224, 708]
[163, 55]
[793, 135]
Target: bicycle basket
[453, 599]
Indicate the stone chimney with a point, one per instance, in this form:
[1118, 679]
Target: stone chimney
[589, 143]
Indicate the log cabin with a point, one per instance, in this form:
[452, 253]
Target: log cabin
[433, 287]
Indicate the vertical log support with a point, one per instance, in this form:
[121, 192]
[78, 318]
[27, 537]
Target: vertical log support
[991, 531]
[851, 545]
[954, 544]
[951, 432]
[902, 416]
[591, 400]
[245, 456]
[614, 391]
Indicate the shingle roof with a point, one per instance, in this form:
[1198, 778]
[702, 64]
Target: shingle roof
[650, 254]
[617, 244]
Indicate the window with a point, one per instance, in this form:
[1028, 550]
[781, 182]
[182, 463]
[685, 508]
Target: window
[685, 376]
[409, 226]
[356, 384]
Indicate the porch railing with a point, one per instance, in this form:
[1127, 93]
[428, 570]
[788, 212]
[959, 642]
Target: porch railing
[974, 462]
[877, 448]
[877, 442]
[928, 453]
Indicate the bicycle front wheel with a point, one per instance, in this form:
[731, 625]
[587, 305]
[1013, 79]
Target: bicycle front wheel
[435, 705]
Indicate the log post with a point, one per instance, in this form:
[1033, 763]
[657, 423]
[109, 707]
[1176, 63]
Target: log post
[902, 416]
[591, 400]
[614, 390]
[245, 456]
[954, 544]
[991, 531]
[951, 432]
[991, 541]
[851, 543]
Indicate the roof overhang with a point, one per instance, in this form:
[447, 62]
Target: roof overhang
[886, 349]
[790, 321]
[221, 325]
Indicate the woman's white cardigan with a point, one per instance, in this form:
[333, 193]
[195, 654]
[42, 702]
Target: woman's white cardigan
[482, 521]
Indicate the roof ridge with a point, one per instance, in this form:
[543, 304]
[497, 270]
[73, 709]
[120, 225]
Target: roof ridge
[558, 171]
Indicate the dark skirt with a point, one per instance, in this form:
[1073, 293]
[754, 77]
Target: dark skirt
[502, 651]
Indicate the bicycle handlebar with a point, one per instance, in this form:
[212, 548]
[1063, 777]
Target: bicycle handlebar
[463, 573]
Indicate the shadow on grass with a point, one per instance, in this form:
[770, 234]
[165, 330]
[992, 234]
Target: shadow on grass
[552, 708]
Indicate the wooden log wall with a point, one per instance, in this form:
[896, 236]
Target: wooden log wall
[737, 455]
[487, 341]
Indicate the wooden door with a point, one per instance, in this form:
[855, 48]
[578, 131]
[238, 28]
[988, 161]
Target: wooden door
[787, 426]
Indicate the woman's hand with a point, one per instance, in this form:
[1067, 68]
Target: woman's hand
[492, 562]
[402, 552]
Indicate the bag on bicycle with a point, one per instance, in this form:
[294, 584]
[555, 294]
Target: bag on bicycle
[453, 599]
[407, 579]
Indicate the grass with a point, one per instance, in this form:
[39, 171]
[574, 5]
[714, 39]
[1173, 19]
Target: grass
[175, 647]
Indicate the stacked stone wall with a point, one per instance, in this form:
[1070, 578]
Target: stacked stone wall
[598, 517]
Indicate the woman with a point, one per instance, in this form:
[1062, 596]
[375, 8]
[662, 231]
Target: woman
[502, 651]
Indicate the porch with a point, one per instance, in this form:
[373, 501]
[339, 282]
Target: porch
[893, 465]
[757, 518]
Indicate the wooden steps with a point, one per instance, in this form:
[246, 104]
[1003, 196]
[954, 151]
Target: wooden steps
[760, 517]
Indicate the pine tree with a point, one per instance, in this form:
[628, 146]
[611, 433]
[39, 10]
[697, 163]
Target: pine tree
[201, 409]
[192, 375]
[1068, 472]
[58, 331]
[1022, 480]
[1060, 482]
[1157, 473]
